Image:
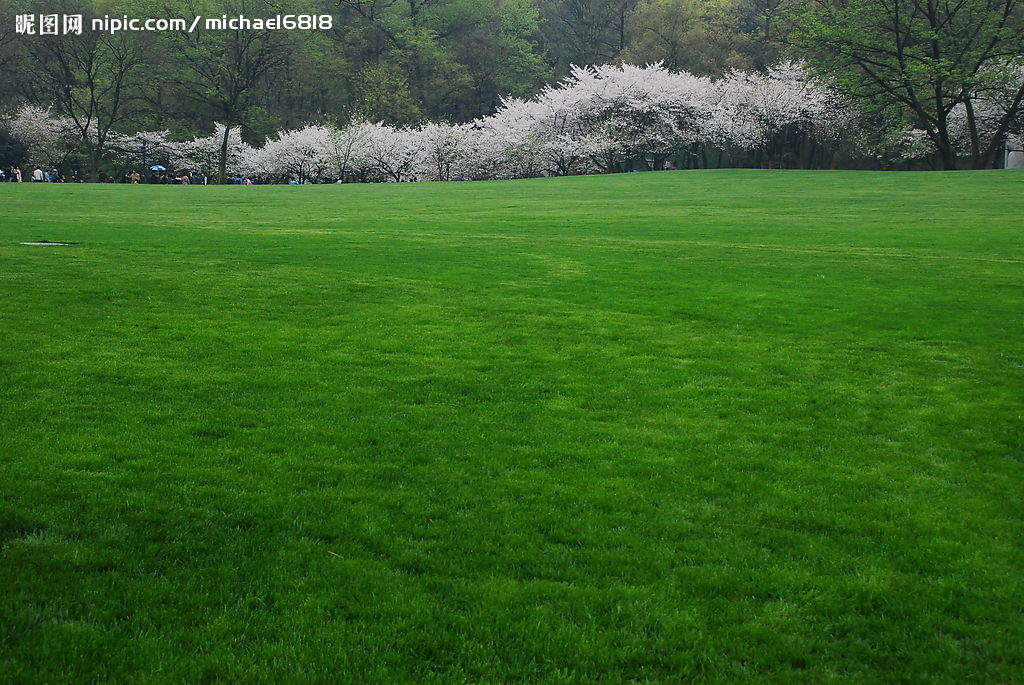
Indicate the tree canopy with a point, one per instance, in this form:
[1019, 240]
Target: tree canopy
[938, 60]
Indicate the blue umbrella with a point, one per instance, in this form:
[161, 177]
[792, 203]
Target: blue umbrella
[157, 167]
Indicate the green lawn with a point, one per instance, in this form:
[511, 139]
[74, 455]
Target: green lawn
[736, 426]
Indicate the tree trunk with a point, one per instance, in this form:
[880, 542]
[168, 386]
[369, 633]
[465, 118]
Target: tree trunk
[222, 163]
[94, 163]
[947, 156]
[972, 128]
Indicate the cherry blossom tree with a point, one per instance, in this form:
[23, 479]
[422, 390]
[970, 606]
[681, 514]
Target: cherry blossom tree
[606, 118]
[993, 117]
[140, 149]
[508, 144]
[773, 113]
[646, 114]
[391, 150]
[303, 154]
[346, 148]
[609, 117]
[441, 151]
[203, 154]
[49, 137]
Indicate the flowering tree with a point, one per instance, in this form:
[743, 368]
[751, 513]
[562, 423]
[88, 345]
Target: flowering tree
[606, 118]
[980, 125]
[775, 111]
[441, 151]
[390, 150]
[203, 154]
[643, 114]
[346, 149]
[303, 154]
[610, 117]
[49, 138]
[508, 144]
[140, 149]
[566, 130]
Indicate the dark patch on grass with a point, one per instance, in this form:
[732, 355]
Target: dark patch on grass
[15, 524]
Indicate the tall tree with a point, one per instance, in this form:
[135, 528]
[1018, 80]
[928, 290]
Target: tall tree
[227, 70]
[88, 78]
[932, 57]
[585, 32]
[438, 59]
[703, 37]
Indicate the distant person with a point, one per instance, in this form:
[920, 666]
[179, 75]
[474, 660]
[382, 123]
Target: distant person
[17, 174]
[247, 181]
[38, 176]
[185, 179]
[292, 182]
[134, 178]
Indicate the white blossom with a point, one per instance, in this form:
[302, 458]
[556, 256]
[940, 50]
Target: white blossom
[441, 151]
[303, 154]
[202, 155]
[753, 108]
[48, 137]
[141, 149]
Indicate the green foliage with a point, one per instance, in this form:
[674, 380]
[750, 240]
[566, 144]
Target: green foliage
[927, 58]
[452, 60]
[584, 31]
[11, 151]
[383, 94]
[698, 36]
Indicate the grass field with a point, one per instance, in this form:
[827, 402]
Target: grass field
[734, 426]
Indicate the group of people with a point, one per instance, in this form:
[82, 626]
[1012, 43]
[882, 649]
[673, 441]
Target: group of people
[13, 174]
[164, 178]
